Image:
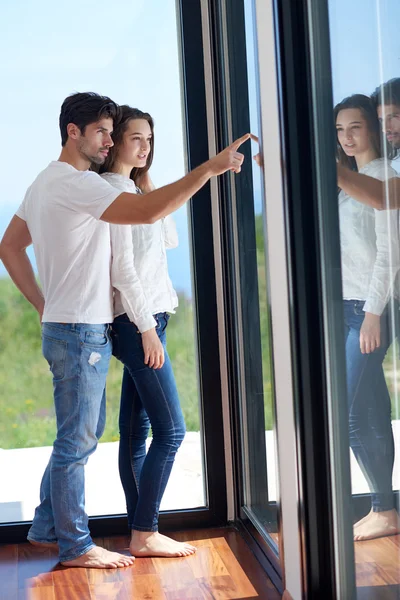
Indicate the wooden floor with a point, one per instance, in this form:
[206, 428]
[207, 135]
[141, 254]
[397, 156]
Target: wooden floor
[223, 567]
[378, 569]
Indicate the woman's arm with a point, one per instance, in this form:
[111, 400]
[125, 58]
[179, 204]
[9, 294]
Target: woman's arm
[125, 278]
[146, 185]
[386, 266]
[381, 195]
[387, 261]
[170, 232]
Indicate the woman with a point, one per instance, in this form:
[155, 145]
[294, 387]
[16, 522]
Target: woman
[370, 260]
[144, 299]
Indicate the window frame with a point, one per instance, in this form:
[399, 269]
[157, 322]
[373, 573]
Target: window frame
[205, 307]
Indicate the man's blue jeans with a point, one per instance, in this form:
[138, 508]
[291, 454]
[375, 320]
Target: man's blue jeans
[370, 426]
[148, 396]
[78, 356]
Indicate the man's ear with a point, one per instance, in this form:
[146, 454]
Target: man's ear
[73, 131]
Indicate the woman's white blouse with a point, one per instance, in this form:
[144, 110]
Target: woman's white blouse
[369, 241]
[139, 269]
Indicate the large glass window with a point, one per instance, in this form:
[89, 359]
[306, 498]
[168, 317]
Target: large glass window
[365, 50]
[261, 474]
[108, 50]
[259, 495]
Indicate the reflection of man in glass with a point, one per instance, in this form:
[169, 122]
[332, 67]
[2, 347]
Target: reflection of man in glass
[366, 189]
[387, 102]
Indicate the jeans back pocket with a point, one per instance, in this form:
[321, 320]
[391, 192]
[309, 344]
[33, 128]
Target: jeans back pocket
[95, 338]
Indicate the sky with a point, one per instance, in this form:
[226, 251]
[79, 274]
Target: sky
[365, 44]
[129, 50]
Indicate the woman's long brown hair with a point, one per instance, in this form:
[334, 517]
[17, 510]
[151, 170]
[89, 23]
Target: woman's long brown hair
[128, 114]
[367, 108]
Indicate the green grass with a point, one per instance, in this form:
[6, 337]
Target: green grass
[26, 401]
[269, 415]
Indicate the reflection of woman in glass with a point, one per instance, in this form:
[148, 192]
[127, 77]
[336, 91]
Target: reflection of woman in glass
[143, 303]
[370, 260]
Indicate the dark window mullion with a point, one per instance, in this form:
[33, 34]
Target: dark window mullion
[206, 307]
[203, 260]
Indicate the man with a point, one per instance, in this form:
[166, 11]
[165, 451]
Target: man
[376, 193]
[65, 214]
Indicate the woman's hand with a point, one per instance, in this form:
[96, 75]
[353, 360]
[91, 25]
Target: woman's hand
[370, 333]
[145, 183]
[153, 349]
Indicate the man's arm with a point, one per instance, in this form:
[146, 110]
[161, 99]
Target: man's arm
[13, 254]
[379, 194]
[161, 202]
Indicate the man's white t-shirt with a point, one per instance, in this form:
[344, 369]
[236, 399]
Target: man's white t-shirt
[62, 209]
[396, 164]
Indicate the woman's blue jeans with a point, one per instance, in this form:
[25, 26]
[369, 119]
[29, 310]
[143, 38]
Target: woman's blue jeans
[148, 397]
[370, 426]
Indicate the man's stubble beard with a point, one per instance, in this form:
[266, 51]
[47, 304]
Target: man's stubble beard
[97, 159]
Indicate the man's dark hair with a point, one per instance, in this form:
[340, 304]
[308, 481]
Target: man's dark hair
[387, 93]
[85, 108]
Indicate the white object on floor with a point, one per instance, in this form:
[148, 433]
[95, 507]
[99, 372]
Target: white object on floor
[21, 471]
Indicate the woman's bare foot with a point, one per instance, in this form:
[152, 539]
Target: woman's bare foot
[53, 545]
[100, 558]
[378, 524]
[153, 543]
[361, 521]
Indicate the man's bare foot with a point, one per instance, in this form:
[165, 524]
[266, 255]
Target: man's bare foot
[153, 543]
[378, 524]
[53, 545]
[100, 558]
